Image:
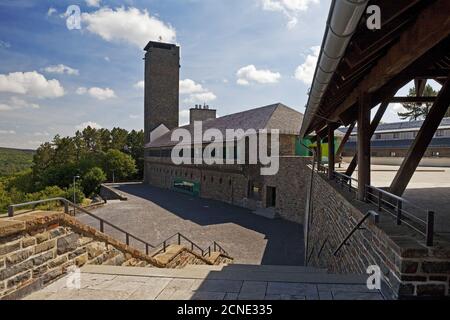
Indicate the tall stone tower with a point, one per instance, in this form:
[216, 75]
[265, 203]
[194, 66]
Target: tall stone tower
[162, 74]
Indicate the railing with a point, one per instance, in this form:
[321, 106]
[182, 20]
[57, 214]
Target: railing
[356, 228]
[397, 207]
[128, 236]
[214, 247]
[346, 182]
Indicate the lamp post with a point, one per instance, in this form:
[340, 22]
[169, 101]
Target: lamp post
[74, 190]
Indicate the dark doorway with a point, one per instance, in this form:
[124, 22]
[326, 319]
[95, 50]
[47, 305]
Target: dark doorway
[271, 197]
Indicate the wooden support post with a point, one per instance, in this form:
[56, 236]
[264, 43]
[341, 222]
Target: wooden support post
[373, 127]
[364, 131]
[345, 139]
[319, 152]
[331, 149]
[422, 141]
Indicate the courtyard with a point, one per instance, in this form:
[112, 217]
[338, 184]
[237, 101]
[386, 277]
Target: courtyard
[155, 214]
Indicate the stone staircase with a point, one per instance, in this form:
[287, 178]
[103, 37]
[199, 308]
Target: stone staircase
[206, 282]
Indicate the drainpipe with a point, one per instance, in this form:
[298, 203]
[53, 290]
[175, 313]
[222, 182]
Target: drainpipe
[343, 20]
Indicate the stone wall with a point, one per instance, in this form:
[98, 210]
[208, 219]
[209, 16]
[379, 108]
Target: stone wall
[38, 248]
[410, 269]
[230, 183]
[108, 193]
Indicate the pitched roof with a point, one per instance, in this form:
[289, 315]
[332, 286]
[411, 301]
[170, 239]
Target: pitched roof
[275, 116]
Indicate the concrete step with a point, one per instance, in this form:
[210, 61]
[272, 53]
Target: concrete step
[268, 213]
[228, 274]
[258, 268]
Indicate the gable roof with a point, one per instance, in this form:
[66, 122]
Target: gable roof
[275, 116]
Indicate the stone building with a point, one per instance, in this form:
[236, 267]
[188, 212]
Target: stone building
[239, 184]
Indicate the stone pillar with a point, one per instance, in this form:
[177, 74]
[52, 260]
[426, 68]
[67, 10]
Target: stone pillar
[363, 144]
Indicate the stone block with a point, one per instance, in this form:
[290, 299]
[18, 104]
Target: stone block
[60, 231]
[9, 227]
[408, 266]
[44, 246]
[16, 269]
[95, 249]
[28, 242]
[67, 243]
[42, 258]
[19, 279]
[39, 271]
[81, 260]
[436, 267]
[431, 290]
[52, 275]
[19, 256]
[77, 253]
[41, 237]
[9, 247]
[57, 262]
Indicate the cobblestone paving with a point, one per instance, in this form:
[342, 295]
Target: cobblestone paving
[155, 214]
[112, 287]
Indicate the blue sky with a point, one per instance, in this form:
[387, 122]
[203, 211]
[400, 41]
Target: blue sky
[235, 55]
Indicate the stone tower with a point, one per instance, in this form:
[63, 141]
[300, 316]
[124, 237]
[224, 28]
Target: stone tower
[162, 73]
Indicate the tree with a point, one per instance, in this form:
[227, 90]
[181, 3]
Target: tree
[119, 139]
[417, 111]
[92, 180]
[135, 142]
[118, 164]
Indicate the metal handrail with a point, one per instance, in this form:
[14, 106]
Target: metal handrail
[381, 199]
[104, 222]
[344, 180]
[356, 228]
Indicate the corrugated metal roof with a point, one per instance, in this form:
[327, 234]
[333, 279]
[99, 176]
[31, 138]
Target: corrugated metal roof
[402, 126]
[275, 116]
[400, 144]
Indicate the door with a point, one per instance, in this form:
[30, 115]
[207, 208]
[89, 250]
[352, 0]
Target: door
[271, 197]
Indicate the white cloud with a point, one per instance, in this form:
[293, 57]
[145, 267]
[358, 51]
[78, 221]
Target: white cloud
[107, 59]
[15, 103]
[305, 72]
[189, 86]
[93, 3]
[4, 44]
[32, 84]
[139, 85]
[196, 92]
[184, 117]
[97, 93]
[398, 108]
[7, 132]
[51, 11]
[41, 134]
[62, 69]
[135, 116]
[249, 74]
[290, 8]
[91, 124]
[128, 25]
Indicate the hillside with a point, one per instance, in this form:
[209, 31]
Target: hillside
[14, 160]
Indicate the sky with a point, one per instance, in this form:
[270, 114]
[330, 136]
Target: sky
[235, 55]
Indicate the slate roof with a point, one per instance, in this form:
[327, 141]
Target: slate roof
[275, 116]
[402, 126]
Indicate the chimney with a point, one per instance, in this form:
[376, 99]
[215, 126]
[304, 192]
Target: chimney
[201, 114]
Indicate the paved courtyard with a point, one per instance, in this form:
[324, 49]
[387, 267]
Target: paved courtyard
[155, 214]
[103, 283]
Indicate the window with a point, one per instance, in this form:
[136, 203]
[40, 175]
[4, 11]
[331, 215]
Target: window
[378, 136]
[439, 133]
[393, 154]
[436, 154]
[220, 181]
[396, 135]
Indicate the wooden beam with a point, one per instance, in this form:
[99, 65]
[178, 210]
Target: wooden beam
[373, 127]
[363, 144]
[319, 151]
[413, 99]
[422, 141]
[420, 85]
[345, 139]
[430, 28]
[331, 150]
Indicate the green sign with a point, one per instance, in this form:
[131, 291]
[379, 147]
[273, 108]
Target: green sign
[188, 187]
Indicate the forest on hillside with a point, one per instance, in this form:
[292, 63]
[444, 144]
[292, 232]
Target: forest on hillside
[14, 160]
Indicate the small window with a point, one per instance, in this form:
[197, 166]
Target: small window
[378, 136]
[212, 179]
[393, 154]
[220, 181]
[439, 133]
[204, 178]
[229, 182]
[436, 153]
[396, 135]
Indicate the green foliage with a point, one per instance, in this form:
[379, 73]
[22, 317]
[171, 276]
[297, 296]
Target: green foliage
[417, 111]
[92, 181]
[119, 165]
[94, 154]
[13, 160]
